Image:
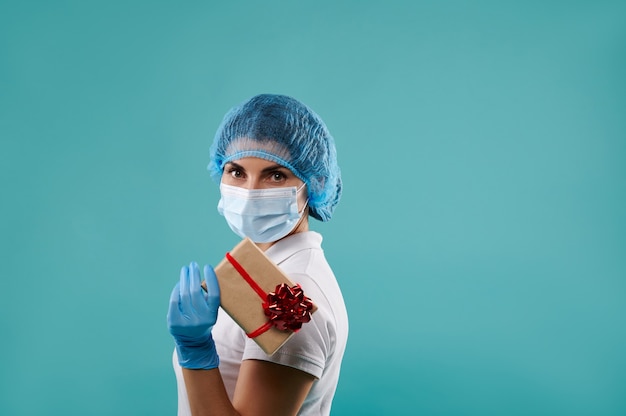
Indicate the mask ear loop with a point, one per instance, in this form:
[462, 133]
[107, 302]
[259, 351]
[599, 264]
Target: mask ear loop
[305, 202]
[304, 207]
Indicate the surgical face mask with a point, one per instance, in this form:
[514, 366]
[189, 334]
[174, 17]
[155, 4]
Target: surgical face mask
[263, 215]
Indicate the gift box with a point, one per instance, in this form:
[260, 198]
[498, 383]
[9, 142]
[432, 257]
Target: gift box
[260, 298]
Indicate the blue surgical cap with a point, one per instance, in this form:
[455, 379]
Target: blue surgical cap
[283, 130]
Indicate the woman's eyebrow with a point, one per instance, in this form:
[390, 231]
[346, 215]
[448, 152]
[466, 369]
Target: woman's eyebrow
[268, 169]
[273, 168]
[234, 165]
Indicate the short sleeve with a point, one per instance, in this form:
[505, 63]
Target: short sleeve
[307, 350]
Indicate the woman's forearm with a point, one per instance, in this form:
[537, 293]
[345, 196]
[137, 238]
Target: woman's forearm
[207, 394]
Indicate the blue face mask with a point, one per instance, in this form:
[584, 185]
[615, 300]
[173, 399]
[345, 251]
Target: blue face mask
[263, 215]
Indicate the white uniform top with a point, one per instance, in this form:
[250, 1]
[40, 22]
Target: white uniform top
[316, 349]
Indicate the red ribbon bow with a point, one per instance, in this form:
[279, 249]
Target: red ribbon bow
[288, 308]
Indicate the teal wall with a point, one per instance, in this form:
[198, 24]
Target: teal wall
[480, 242]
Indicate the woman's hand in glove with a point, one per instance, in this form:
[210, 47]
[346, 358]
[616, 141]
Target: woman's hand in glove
[191, 316]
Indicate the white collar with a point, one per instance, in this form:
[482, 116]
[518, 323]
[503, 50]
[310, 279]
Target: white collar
[288, 246]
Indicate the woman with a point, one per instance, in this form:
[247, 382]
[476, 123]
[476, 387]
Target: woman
[276, 164]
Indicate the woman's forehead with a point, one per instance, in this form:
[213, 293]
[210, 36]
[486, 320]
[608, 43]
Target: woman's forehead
[269, 151]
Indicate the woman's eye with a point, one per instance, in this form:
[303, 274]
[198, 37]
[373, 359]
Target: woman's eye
[278, 176]
[235, 173]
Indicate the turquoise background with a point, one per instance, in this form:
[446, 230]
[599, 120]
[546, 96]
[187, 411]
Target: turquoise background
[480, 241]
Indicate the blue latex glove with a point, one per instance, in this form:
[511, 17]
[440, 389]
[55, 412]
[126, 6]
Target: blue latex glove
[192, 314]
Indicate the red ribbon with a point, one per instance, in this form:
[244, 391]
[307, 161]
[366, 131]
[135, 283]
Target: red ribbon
[286, 307]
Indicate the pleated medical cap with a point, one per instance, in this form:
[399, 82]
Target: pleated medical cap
[283, 130]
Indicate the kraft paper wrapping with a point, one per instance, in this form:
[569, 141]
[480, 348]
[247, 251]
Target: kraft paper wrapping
[241, 301]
